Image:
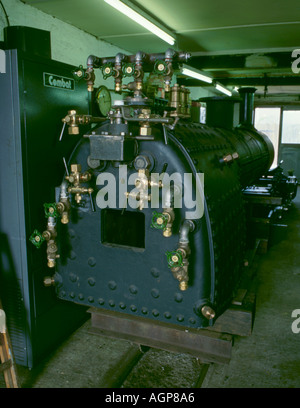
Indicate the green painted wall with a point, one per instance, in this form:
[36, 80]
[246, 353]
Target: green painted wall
[68, 43]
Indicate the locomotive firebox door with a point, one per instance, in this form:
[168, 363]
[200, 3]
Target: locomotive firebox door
[123, 228]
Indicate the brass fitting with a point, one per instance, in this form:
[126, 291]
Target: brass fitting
[181, 274]
[50, 236]
[76, 178]
[73, 121]
[169, 212]
[49, 281]
[145, 129]
[90, 78]
[79, 191]
[64, 206]
[208, 312]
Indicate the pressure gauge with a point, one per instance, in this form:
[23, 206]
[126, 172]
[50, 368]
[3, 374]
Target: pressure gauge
[103, 100]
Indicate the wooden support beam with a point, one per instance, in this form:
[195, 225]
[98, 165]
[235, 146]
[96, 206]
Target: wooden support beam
[207, 345]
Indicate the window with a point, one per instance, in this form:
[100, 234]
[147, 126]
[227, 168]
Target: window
[291, 127]
[267, 121]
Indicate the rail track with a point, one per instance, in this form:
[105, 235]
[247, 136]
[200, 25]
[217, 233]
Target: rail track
[145, 367]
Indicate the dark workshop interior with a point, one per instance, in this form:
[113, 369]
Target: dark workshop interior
[149, 203]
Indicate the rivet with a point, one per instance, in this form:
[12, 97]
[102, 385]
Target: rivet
[178, 297]
[180, 318]
[155, 312]
[72, 255]
[101, 301]
[92, 261]
[112, 285]
[155, 272]
[80, 296]
[91, 281]
[144, 310]
[72, 277]
[111, 303]
[122, 305]
[91, 299]
[167, 315]
[155, 293]
[133, 308]
[133, 289]
[72, 295]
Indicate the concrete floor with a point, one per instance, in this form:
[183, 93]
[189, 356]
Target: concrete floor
[269, 358]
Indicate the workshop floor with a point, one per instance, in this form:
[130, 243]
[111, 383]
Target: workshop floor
[269, 358]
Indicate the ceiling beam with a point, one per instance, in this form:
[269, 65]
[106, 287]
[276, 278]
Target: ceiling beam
[246, 81]
[271, 60]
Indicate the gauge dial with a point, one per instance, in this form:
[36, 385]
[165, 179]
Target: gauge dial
[103, 100]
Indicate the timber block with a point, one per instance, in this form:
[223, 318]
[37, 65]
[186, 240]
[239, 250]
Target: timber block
[206, 345]
[238, 319]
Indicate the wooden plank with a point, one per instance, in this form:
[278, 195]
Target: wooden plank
[206, 345]
[6, 355]
[5, 366]
[237, 319]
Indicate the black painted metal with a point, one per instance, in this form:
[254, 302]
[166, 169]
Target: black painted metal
[31, 166]
[137, 280]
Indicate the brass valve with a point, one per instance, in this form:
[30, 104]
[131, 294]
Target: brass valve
[142, 184]
[76, 178]
[73, 121]
[178, 260]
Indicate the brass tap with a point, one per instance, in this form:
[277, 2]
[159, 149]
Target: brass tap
[181, 272]
[142, 185]
[49, 281]
[50, 236]
[73, 121]
[178, 260]
[145, 129]
[169, 212]
[76, 178]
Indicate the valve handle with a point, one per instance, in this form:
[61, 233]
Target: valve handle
[160, 67]
[50, 210]
[159, 220]
[174, 259]
[107, 70]
[79, 73]
[36, 239]
[128, 69]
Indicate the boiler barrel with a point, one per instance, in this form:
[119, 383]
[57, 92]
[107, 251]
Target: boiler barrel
[114, 259]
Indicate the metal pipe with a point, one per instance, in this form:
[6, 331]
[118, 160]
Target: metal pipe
[151, 120]
[247, 106]
[187, 227]
[149, 59]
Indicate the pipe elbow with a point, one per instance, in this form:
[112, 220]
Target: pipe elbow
[187, 227]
